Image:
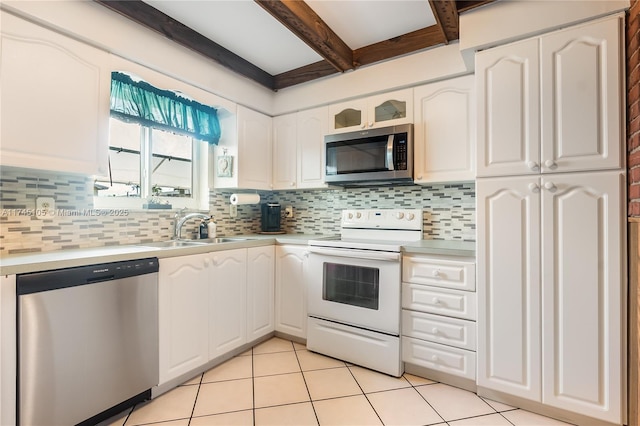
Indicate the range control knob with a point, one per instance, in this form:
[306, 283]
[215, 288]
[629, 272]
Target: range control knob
[410, 216]
[350, 215]
[399, 215]
[358, 215]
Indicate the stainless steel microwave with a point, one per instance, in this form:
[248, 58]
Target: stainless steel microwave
[375, 156]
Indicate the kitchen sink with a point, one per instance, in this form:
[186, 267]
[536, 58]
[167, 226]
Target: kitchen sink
[175, 243]
[223, 240]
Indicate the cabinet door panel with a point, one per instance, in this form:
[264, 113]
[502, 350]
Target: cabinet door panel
[228, 307]
[445, 131]
[55, 100]
[583, 293]
[291, 294]
[509, 286]
[254, 156]
[182, 313]
[581, 98]
[312, 126]
[285, 152]
[507, 80]
[260, 291]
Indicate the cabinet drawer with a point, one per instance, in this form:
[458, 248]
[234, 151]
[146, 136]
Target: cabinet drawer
[453, 303]
[438, 357]
[439, 272]
[439, 329]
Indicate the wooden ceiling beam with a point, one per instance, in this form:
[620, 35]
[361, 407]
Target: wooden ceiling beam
[303, 74]
[157, 21]
[446, 14]
[300, 19]
[401, 45]
[464, 5]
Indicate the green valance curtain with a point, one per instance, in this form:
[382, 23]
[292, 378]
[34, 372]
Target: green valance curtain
[140, 102]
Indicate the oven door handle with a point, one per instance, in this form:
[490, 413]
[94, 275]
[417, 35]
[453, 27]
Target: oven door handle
[357, 254]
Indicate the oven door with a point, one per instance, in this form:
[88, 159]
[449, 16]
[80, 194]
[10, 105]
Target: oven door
[355, 287]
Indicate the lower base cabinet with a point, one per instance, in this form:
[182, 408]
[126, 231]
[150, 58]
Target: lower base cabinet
[211, 304]
[291, 294]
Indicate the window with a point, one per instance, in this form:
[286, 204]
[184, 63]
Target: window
[158, 148]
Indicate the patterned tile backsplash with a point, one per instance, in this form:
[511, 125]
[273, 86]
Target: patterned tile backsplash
[448, 210]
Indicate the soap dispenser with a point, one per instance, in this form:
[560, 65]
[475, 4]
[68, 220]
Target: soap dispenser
[204, 230]
[211, 228]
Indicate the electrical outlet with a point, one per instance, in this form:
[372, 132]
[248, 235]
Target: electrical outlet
[233, 210]
[288, 212]
[45, 206]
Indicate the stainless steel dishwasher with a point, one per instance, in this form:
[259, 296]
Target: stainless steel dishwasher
[87, 341]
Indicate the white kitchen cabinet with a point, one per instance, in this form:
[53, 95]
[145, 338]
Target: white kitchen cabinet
[291, 290]
[387, 109]
[298, 149]
[550, 275]
[8, 341]
[183, 312]
[55, 110]
[552, 103]
[445, 131]
[260, 291]
[228, 301]
[250, 148]
[438, 317]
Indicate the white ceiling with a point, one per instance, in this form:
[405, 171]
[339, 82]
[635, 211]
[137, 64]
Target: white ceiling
[247, 30]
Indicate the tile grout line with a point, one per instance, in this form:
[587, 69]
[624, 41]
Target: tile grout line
[365, 395]
[195, 401]
[304, 379]
[424, 398]
[253, 387]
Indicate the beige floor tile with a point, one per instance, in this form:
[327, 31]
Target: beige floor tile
[287, 415]
[240, 367]
[272, 345]
[224, 397]
[348, 411]
[174, 405]
[183, 422]
[373, 381]
[454, 403]
[279, 389]
[403, 407]
[331, 383]
[313, 361]
[299, 346]
[498, 406]
[248, 352]
[275, 363]
[488, 420]
[194, 381]
[237, 418]
[527, 418]
[417, 381]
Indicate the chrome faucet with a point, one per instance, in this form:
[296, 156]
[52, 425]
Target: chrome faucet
[177, 229]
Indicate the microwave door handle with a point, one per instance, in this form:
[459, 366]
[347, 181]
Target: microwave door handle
[389, 159]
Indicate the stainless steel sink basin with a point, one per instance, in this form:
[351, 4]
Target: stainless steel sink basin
[174, 243]
[224, 240]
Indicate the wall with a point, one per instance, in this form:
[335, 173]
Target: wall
[449, 213]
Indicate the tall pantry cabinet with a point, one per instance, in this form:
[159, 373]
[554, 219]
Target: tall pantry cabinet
[550, 220]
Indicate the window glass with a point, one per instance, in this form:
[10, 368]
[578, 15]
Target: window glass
[124, 161]
[171, 165]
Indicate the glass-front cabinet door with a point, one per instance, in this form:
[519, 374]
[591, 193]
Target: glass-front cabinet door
[387, 109]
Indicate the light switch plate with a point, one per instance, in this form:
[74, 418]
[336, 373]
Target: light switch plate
[45, 206]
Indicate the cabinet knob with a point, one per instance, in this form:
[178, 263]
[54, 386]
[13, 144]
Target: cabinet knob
[370, 124]
[436, 301]
[436, 273]
[293, 184]
[549, 186]
[533, 187]
[420, 177]
[533, 166]
[434, 330]
[551, 164]
[434, 357]
[207, 262]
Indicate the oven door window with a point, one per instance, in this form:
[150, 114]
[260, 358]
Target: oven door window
[351, 285]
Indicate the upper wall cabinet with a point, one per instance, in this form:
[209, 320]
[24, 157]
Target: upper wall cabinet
[55, 100]
[552, 103]
[445, 131]
[298, 149]
[387, 109]
[243, 159]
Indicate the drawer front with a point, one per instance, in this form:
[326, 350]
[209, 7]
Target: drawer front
[439, 329]
[441, 301]
[442, 358]
[439, 273]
